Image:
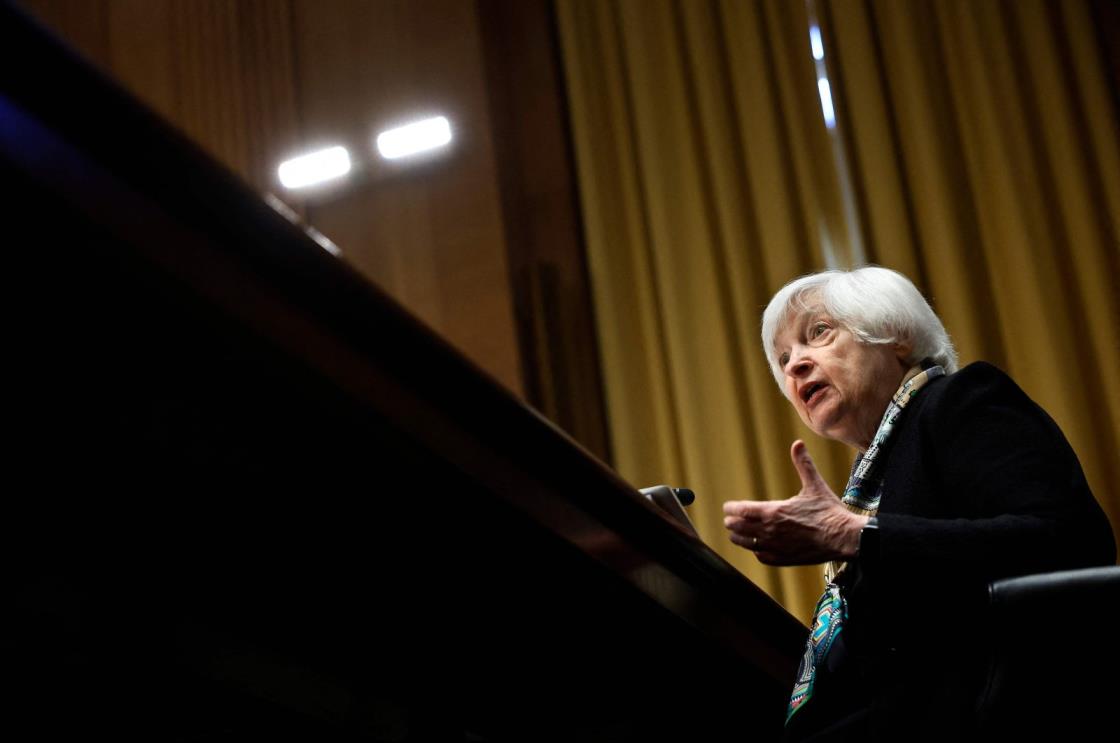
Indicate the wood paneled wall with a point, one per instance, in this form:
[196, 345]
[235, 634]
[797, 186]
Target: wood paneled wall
[256, 81]
[544, 231]
[483, 242]
[223, 72]
[432, 233]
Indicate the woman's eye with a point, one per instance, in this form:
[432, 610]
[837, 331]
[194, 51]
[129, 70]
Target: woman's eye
[783, 360]
[818, 330]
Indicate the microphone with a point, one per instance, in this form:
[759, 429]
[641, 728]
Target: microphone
[684, 495]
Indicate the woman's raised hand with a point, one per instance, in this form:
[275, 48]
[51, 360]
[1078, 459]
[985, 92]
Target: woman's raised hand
[811, 527]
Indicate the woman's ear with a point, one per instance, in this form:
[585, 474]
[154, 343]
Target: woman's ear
[902, 350]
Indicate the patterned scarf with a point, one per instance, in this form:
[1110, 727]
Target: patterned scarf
[861, 496]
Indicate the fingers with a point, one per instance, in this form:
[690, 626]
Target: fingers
[737, 523]
[803, 463]
[744, 518]
[755, 545]
[743, 509]
[743, 540]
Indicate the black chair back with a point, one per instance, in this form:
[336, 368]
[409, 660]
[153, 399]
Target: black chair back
[1055, 666]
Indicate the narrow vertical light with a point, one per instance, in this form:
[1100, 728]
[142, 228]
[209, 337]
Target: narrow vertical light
[315, 167]
[826, 102]
[414, 138]
[816, 42]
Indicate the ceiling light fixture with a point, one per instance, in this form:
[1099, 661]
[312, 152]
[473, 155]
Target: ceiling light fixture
[315, 167]
[414, 138]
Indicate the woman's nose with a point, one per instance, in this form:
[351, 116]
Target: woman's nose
[799, 364]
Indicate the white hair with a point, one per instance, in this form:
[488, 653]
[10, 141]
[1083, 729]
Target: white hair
[877, 305]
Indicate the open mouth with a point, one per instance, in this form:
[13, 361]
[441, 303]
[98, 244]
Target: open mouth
[811, 391]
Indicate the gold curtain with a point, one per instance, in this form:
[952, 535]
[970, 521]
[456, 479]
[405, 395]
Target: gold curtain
[975, 150]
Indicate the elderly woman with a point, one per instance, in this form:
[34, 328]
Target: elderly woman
[959, 479]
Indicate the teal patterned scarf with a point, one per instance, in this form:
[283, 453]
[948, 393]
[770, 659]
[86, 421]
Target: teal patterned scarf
[861, 495]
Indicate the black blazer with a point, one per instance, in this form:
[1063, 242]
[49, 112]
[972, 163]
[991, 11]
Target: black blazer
[979, 484]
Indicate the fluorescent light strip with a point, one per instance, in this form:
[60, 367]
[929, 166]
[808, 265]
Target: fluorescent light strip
[315, 167]
[816, 42]
[826, 102]
[412, 139]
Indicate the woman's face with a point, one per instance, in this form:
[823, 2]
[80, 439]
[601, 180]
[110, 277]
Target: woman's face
[839, 386]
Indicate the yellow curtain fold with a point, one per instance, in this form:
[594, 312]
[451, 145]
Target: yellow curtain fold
[978, 144]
